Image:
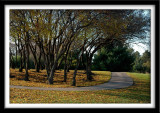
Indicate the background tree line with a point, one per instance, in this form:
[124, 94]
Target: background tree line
[68, 39]
[120, 59]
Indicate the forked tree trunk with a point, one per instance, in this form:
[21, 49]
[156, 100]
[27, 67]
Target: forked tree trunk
[51, 75]
[50, 78]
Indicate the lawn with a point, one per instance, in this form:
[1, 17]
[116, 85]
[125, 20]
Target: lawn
[138, 93]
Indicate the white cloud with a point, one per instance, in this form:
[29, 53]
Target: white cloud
[139, 47]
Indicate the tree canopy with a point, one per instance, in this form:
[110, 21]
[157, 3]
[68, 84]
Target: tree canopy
[54, 36]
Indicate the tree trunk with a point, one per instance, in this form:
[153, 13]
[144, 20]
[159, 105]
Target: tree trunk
[39, 62]
[24, 58]
[26, 75]
[59, 64]
[89, 74]
[37, 67]
[88, 67]
[50, 78]
[69, 62]
[48, 72]
[88, 70]
[16, 57]
[66, 63]
[11, 60]
[65, 69]
[75, 73]
[74, 77]
[27, 58]
[65, 73]
[21, 64]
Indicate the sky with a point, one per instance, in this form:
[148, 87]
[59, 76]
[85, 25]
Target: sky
[140, 48]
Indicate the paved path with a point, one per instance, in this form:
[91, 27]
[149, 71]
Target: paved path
[118, 80]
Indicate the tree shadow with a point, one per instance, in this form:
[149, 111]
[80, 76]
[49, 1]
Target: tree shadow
[133, 93]
[11, 76]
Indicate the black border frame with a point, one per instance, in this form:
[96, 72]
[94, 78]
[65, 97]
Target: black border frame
[87, 2]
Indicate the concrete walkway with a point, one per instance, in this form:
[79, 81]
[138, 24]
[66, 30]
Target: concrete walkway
[118, 80]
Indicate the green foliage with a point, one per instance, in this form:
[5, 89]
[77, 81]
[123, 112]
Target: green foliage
[121, 59]
[31, 62]
[142, 63]
[115, 59]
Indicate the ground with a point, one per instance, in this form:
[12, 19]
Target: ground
[138, 93]
[40, 79]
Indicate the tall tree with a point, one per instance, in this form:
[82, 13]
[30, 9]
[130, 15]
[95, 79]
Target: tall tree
[119, 58]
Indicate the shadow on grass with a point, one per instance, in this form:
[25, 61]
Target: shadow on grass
[137, 93]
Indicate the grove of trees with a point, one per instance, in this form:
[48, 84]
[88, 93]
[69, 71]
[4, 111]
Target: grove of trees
[121, 59]
[69, 39]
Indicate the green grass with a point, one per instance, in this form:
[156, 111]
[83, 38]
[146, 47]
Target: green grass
[138, 93]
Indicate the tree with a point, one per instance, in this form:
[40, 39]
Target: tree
[119, 58]
[142, 63]
[146, 61]
[18, 29]
[116, 26]
[53, 36]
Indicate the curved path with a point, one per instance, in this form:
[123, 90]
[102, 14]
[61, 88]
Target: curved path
[118, 80]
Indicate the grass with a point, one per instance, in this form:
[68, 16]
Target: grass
[138, 93]
[40, 79]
